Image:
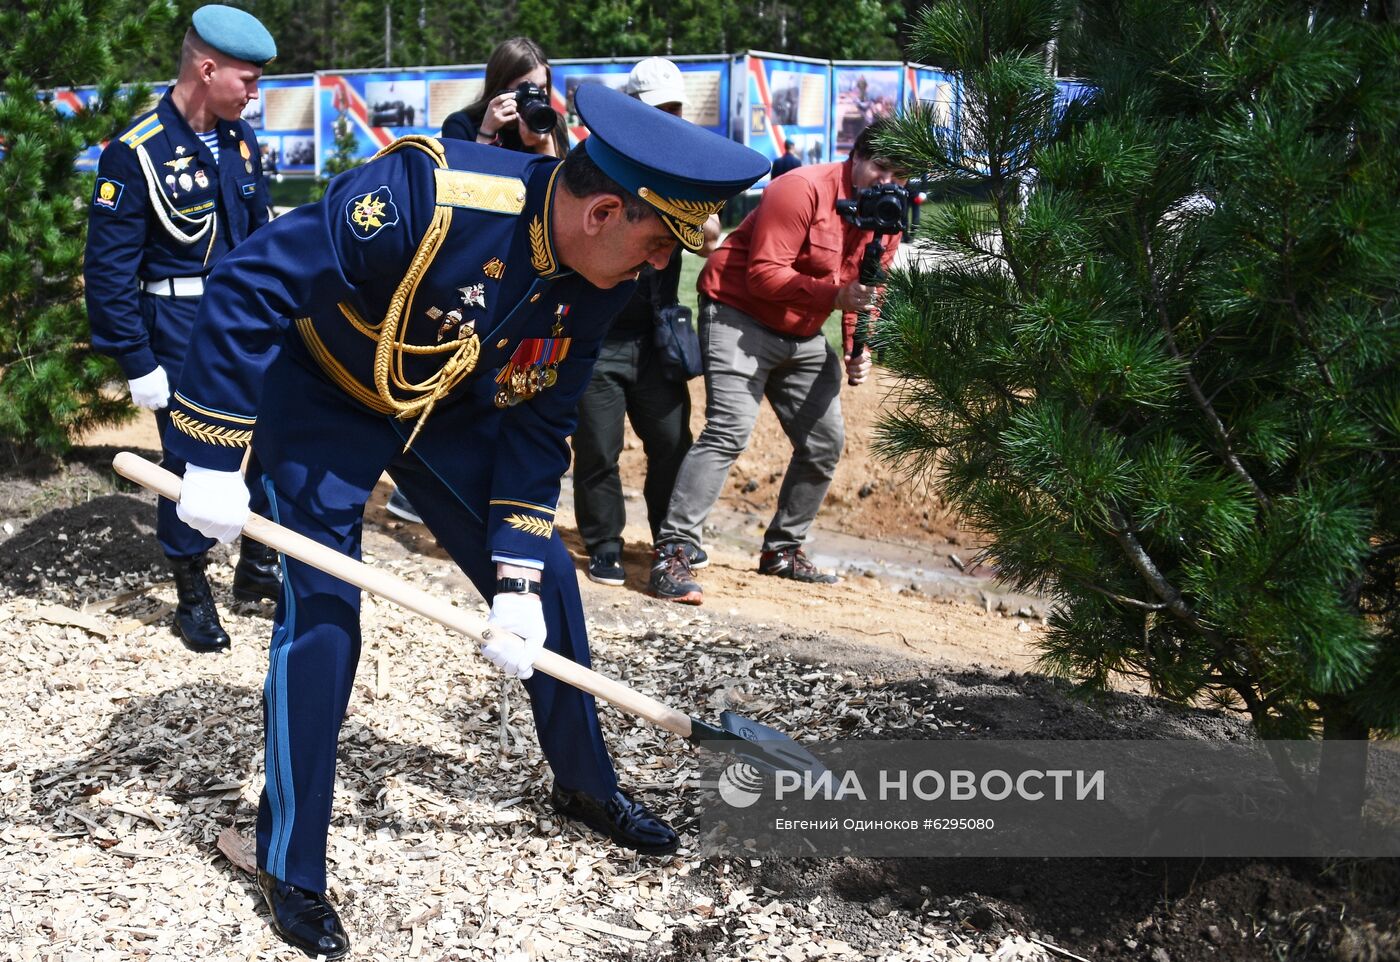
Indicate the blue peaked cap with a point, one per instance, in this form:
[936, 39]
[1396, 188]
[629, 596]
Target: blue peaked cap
[685, 172]
[234, 32]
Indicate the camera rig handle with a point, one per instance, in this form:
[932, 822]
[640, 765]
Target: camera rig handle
[871, 273]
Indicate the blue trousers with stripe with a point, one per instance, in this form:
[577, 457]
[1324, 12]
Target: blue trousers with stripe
[322, 457]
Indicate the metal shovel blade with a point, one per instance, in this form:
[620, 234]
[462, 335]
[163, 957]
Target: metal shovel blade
[767, 749]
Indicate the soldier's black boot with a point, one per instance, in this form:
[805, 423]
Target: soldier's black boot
[258, 574]
[196, 618]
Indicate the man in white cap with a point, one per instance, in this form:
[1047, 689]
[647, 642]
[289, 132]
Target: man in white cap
[630, 383]
[175, 192]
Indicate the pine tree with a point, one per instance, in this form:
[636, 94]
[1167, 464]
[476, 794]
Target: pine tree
[50, 380]
[1166, 384]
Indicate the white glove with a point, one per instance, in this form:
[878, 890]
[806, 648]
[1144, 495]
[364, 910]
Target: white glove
[150, 391]
[518, 633]
[214, 503]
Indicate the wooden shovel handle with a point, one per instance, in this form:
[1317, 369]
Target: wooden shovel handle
[385, 585]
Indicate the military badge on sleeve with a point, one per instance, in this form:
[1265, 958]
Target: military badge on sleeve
[371, 212]
[107, 194]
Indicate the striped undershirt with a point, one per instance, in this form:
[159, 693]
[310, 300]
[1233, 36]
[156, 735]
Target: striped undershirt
[211, 140]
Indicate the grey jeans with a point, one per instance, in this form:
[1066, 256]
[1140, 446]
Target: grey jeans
[801, 378]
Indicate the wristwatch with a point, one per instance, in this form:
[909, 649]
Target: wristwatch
[518, 586]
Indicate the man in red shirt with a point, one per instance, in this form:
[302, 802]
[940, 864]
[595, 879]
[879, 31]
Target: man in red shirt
[764, 295]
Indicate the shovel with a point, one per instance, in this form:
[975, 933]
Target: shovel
[764, 748]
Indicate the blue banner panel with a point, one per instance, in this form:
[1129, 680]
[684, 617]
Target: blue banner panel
[788, 99]
[380, 106]
[933, 88]
[706, 89]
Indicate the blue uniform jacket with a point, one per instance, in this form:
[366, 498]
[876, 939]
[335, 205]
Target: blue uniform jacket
[162, 208]
[424, 278]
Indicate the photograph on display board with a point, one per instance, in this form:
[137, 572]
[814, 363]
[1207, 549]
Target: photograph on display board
[863, 95]
[298, 151]
[738, 91]
[787, 97]
[270, 148]
[397, 103]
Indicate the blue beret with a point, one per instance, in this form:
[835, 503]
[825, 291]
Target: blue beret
[234, 32]
[684, 171]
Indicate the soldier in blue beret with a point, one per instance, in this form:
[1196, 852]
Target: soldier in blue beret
[437, 315]
[175, 192]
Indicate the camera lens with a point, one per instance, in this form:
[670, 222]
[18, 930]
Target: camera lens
[533, 104]
[889, 209]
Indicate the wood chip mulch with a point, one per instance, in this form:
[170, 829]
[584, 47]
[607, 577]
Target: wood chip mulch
[131, 770]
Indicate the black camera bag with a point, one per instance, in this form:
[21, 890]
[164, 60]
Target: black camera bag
[677, 344]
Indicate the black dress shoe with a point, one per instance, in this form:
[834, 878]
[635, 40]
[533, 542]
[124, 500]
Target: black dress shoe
[258, 574]
[196, 618]
[628, 823]
[303, 919]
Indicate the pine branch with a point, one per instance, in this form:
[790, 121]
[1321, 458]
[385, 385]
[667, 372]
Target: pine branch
[1217, 426]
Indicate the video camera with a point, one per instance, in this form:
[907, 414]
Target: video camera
[533, 105]
[880, 208]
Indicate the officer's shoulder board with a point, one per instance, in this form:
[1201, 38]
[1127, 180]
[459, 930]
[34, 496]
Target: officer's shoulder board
[142, 130]
[498, 193]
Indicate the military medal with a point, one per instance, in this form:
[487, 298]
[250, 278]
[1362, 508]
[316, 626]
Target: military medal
[494, 268]
[560, 312]
[201, 178]
[170, 182]
[186, 182]
[179, 149]
[533, 367]
[248, 166]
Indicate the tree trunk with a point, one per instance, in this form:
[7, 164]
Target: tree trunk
[1341, 771]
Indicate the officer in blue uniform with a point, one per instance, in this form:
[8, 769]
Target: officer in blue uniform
[437, 315]
[175, 192]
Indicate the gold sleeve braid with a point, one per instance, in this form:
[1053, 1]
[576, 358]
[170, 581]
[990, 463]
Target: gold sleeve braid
[211, 433]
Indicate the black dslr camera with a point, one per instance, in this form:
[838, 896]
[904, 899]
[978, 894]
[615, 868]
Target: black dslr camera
[533, 105]
[880, 208]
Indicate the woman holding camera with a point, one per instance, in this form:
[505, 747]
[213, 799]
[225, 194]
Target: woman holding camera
[496, 117]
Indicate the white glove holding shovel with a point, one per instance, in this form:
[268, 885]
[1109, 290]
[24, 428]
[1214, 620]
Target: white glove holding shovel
[518, 633]
[214, 503]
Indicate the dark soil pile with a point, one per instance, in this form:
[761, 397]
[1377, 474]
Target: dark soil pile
[89, 551]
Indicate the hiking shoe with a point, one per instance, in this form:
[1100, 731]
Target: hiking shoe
[398, 505]
[670, 575]
[792, 563]
[606, 569]
[696, 555]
